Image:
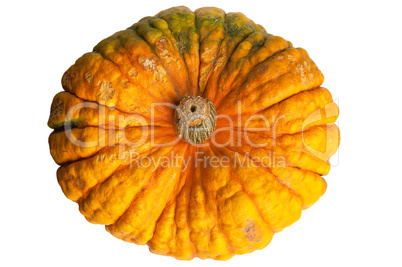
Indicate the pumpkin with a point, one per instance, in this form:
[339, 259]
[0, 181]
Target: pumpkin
[196, 133]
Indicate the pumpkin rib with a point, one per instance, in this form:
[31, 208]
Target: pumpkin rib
[272, 46]
[187, 185]
[128, 57]
[241, 84]
[185, 37]
[207, 66]
[277, 75]
[313, 194]
[230, 45]
[247, 194]
[173, 201]
[279, 145]
[117, 36]
[97, 186]
[187, 179]
[188, 92]
[318, 105]
[218, 217]
[254, 92]
[117, 172]
[58, 139]
[301, 152]
[153, 51]
[66, 100]
[125, 75]
[238, 62]
[122, 220]
[181, 87]
[87, 99]
[284, 152]
[323, 167]
[290, 190]
[62, 173]
[218, 223]
[276, 178]
[306, 132]
[59, 162]
[199, 252]
[93, 101]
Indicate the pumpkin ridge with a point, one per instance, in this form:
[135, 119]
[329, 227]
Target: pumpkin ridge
[172, 201]
[152, 49]
[313, 194]
[188, 92]
[68, 100]
[95, 101]
[206, 67]
[154, 53]
[120, 168]
[320, 102]
[52, 135]
[199, 252]
[136, 232]
[64, 168]
[234, 177]
[181, 86]
[123, 74]
[292, 191]
[103, 137]
[175, 36]
[278, 75]
[301, 153]
[149, 91]
[279, 180]
[227, 51]
[245, 78]
[267, 45]
[188, 185]
[239, 63]
[91, 101]
[146, 183]
[218, 219]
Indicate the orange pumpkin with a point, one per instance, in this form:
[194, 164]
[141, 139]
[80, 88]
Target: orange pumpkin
[238, 159]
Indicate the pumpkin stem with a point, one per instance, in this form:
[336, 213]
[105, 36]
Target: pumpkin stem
[195, 119]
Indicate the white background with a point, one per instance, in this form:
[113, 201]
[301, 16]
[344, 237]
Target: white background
[356, 44]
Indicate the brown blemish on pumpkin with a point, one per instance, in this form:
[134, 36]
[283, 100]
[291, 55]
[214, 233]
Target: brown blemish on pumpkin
[89, 77]
[146, 63]
[301, 69]
[125, 83]
[291, 59]
[251, 232]
[57, 109]
[132, 73]
[106, 90]
[78, 182]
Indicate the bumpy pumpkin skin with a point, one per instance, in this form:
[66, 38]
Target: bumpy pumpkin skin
[190, 210]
